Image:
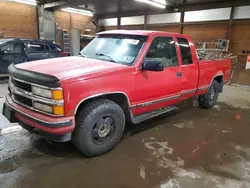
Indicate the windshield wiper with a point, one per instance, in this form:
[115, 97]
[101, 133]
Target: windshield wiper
[82, 54]
[110, 58]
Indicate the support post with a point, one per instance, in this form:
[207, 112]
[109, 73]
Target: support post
[230, 23]
[182, 21]
[145, 21]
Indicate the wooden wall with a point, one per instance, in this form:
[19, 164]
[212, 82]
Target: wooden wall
[18, 20]
[107, 28]
[206, 32]
[241, 75]
[240, 37]
[66, 20]
[239, 42]
[133, 27]
[171, 29]
[201, 32]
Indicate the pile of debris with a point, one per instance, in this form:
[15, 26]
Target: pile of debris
[216, 50]
[211, 54]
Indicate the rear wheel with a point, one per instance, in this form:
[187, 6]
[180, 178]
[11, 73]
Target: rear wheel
[99, 127]
[208, 100]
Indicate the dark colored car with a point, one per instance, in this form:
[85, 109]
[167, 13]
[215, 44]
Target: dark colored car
[13, 50]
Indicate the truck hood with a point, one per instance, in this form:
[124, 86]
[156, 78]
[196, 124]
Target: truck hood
[70, 67]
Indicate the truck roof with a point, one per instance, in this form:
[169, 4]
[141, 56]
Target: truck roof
[137, 32]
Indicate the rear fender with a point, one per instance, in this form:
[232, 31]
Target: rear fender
[220, 78]
[221, 85]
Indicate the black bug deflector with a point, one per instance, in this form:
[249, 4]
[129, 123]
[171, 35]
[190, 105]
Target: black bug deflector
[34, 77]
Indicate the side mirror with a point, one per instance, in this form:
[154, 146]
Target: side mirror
[152, 65]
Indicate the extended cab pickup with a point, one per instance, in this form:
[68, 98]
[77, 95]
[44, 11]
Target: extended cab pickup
[121, 76]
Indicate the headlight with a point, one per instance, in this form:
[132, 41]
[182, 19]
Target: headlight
[56, 110]
[51, 94]
[42, 92]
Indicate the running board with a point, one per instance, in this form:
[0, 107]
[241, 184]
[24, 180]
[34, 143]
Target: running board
[143, 117]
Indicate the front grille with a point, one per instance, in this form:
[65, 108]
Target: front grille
[22, 85]
[23, 100]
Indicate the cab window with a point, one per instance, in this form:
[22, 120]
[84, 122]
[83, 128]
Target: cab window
[185, 51]
[163, 49]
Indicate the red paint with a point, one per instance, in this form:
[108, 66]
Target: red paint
[36, 115]
[42, 117]
[82, 78]
[58, 131]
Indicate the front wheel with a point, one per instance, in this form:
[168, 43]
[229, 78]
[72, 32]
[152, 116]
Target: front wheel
[208, 100]
[99, 127]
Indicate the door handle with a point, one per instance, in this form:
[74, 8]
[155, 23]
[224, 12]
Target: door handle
[178, 74]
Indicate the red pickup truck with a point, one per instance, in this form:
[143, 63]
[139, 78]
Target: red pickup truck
[121, 76]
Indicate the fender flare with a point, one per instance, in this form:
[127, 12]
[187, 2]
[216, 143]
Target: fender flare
[101, 94]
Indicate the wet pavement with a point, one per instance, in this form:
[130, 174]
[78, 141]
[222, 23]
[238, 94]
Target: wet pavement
[3, 92]
[191, 148]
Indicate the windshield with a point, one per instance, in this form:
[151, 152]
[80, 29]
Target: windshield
[4, 40]
[116, 48]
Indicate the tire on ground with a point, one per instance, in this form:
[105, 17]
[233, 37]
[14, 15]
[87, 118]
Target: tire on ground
[86, 121]
[205, 100]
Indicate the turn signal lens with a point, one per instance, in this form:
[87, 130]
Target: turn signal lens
[57, 94]
[58, 110]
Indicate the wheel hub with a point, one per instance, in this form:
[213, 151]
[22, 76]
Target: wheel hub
[103, 130]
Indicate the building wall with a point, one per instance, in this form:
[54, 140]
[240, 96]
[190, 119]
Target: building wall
[240, 37]
[18, 20]
[167, 28]
[133, 27]
[239, 42]
[66, 20]
[107, 28]
[206, 32]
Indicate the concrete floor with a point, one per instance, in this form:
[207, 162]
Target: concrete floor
[193, 148]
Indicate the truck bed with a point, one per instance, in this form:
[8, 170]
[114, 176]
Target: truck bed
[211, 68]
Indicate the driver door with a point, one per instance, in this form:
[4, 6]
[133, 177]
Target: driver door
[157, 89]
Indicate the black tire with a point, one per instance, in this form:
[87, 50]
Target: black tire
[86, 136]
[208, 100]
